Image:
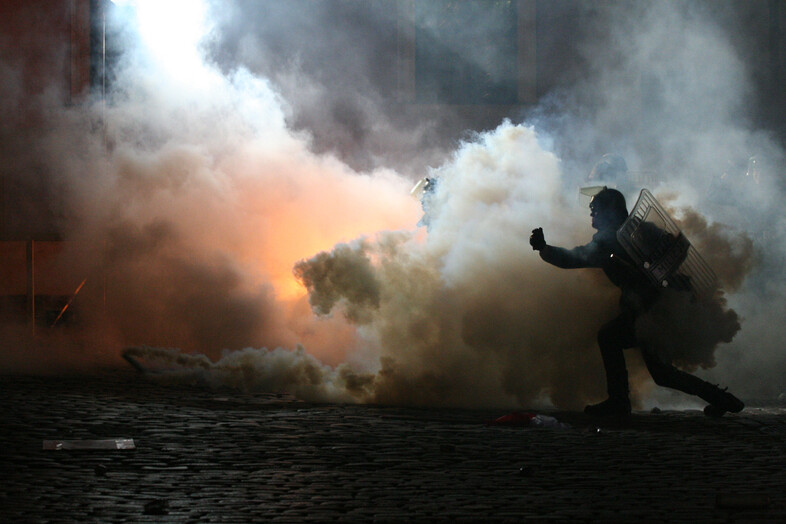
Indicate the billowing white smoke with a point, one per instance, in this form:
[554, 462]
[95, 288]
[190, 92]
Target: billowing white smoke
[186, 201]
[194, 200]
[471, 316]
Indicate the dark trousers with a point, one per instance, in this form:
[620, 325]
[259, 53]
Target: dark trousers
[620, 334]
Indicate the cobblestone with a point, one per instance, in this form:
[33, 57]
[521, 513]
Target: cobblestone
[205, 456]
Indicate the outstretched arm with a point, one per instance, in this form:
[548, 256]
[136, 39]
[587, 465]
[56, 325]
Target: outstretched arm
[588, 255]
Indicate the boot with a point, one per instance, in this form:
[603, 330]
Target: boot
[614, 406]
[720, 401]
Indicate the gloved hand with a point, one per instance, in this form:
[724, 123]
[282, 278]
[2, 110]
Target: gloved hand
[536, 240]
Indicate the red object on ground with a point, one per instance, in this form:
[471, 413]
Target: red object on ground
[514, 419]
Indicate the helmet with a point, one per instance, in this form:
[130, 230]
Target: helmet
[610, 201]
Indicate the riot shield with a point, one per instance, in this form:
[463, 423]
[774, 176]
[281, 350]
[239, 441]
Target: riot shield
[662, 252]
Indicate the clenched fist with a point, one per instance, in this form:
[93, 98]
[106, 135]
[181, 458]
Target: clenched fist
[536, 240]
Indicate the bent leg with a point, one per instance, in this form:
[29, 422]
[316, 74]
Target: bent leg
[666, 375]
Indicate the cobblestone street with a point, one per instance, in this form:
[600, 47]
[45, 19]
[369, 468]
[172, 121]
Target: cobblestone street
[223, 456]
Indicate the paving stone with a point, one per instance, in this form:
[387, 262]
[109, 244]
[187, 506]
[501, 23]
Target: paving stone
[218, 457]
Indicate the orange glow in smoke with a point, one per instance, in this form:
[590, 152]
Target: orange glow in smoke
[318, 206]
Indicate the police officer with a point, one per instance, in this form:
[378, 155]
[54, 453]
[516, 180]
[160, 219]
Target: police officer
[608, 211]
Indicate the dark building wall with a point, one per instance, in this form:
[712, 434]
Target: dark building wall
[46, 60]
[47, 42]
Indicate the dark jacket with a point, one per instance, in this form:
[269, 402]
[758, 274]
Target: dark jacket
[605, 252]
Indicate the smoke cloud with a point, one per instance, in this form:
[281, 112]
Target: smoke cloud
[185, 202]
[258, 199]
